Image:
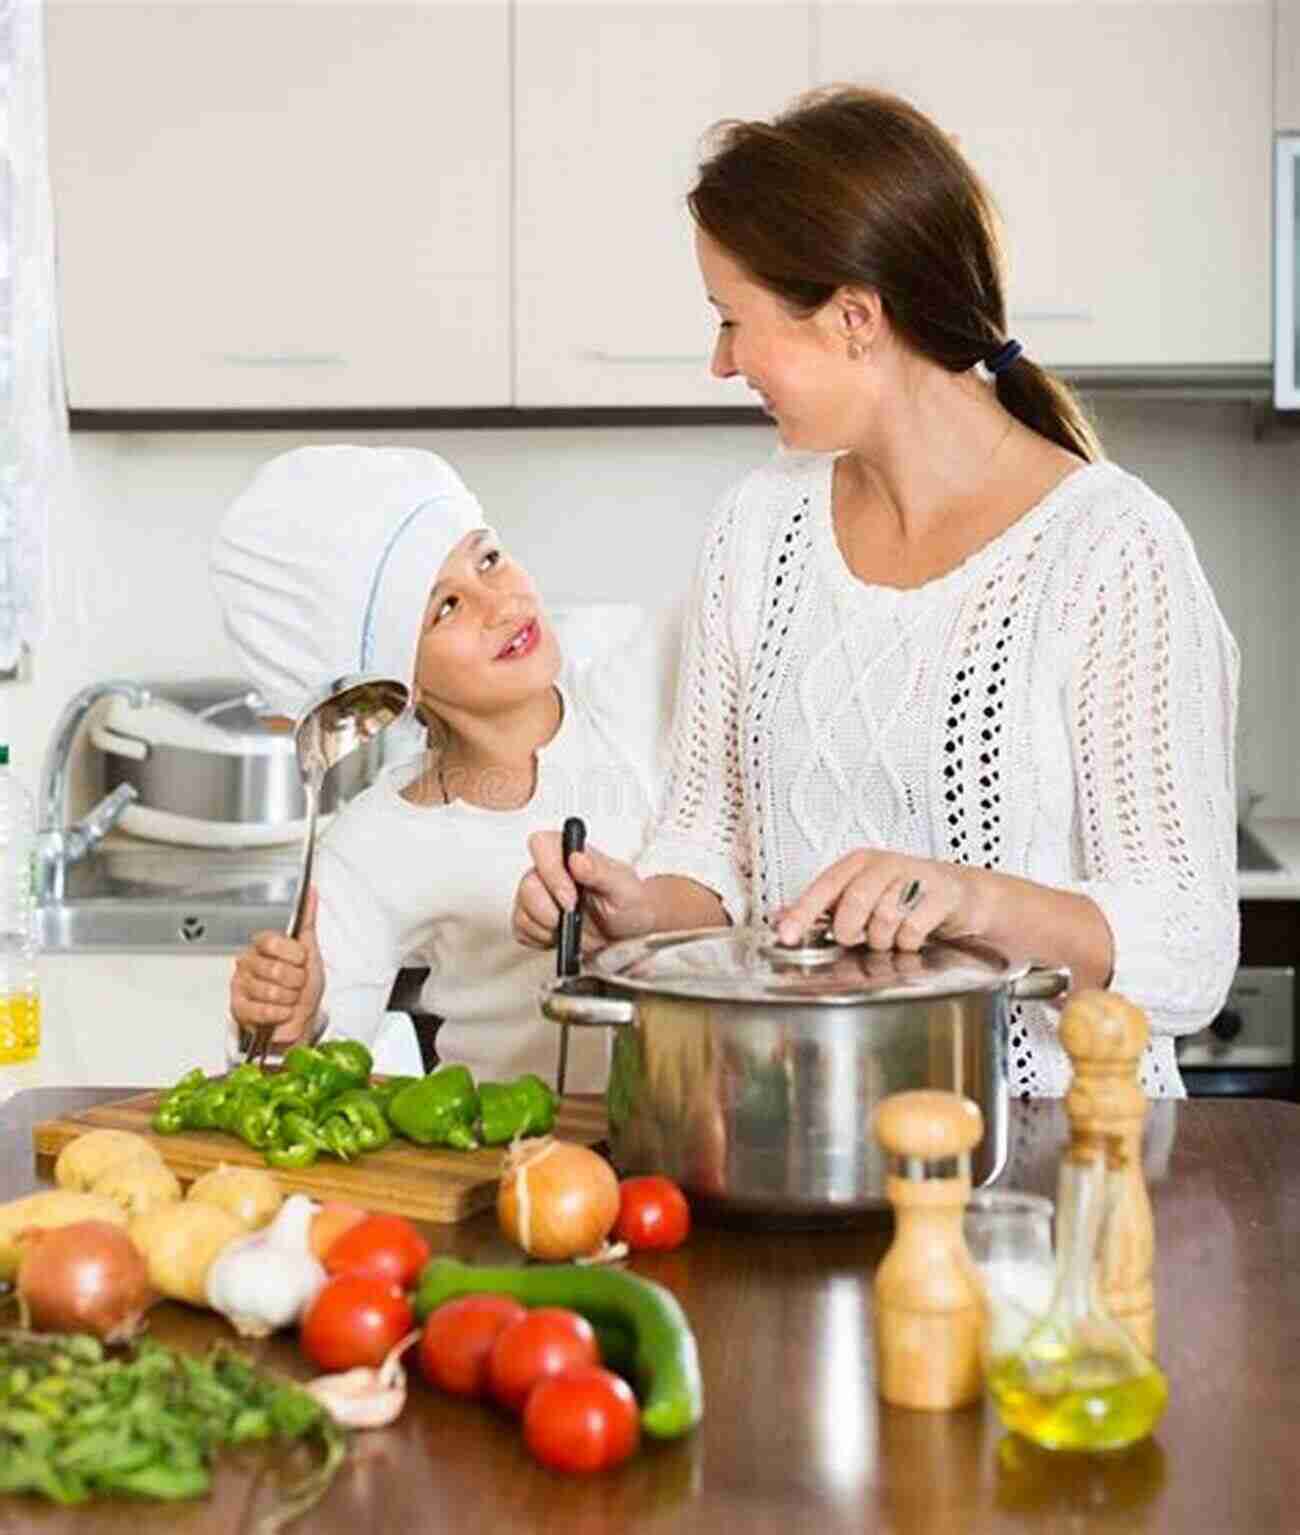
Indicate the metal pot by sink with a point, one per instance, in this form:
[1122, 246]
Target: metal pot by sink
[749, 1073]
[211, 769]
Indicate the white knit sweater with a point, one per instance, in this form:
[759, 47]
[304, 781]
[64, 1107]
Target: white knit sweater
[1061, 706]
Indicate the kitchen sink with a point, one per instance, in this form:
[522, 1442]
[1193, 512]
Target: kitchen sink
[147, 900]
[151, 927]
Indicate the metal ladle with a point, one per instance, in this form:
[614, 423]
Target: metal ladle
[334, 723]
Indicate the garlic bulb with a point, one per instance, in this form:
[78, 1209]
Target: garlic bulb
[267, 1279]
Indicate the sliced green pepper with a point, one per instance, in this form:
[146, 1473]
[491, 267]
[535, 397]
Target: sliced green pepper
[351, 1057]
[507, 1109]
[324, 1079]
[667, 1365]
[257, 1124]
[172, 1113]
[288, 1091]
[364, 1115]
[438, 1110]
[297, 1141]
[207, 1104]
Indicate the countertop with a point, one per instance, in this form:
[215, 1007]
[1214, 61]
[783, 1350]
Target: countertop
[794, 1434]
[1281, 838]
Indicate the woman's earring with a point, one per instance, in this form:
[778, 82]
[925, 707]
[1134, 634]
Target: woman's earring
[855, 351]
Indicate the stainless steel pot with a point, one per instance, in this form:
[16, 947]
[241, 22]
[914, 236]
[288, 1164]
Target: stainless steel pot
[203, 751]
[749, 1073]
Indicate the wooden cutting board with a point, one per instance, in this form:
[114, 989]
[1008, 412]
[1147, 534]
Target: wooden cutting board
[426, 1183]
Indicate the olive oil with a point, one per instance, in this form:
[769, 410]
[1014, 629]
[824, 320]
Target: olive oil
[1082, 1402]
[20, 1027]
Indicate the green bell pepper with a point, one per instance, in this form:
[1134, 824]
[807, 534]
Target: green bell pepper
[351, 1057]
[298, 1141]
[287, 1091]
[323, 1077]
[387, 1088]
[172, 1114]
[438, 1110]
[257, 1123]
[209, 1105]
[525, 1106]
[362, 1113]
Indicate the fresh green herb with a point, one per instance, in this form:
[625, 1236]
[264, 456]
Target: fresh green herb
[76, 1421]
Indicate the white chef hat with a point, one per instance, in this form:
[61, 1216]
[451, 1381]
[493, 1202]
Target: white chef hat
[323, 566]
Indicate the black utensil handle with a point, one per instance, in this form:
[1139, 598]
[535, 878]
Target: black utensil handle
[568, 952]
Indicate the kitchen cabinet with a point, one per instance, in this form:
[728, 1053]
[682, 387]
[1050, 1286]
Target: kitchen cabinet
[1127, 146]
[611, 102]
[1287, 72]
[282, 206]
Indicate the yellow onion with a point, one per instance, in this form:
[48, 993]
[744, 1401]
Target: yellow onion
[557, 1200]
[86, 1277]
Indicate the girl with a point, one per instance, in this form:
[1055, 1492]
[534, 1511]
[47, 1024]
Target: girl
[947, 672]
[341, 560]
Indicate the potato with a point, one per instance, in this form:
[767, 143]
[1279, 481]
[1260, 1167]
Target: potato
[54, 1207]
[250, 1194]
[138, 1185]
[179, 1242]
[81, 1162]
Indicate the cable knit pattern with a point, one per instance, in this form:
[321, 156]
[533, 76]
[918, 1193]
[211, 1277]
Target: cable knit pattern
[1061, 706]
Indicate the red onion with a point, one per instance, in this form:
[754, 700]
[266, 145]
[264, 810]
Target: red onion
[86, 1277]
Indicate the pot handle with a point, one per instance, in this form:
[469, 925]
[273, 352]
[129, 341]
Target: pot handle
[563, 1002]
[1041, 983]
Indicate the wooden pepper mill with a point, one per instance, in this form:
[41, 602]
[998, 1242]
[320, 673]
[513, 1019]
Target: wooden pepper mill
[929, 1310]
[1104, 1035]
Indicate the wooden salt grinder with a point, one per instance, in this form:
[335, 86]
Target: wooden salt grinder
[929, 1311]
[1104, 1035]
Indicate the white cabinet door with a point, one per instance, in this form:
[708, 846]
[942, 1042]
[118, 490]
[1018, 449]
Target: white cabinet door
[612, 100]
[282, 206]
[1287, 76]
[1127, 146]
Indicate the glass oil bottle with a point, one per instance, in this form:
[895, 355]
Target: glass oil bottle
[1079, 1381]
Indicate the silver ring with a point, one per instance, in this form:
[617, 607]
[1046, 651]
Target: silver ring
[912, 893]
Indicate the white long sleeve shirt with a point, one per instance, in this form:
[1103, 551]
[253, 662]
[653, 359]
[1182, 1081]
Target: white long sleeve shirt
[1061, 706]
[403, 884]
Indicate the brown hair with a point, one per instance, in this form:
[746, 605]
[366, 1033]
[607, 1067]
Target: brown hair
[856, 188]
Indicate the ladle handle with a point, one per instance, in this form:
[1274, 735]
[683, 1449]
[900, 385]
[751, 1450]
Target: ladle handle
[312, 790]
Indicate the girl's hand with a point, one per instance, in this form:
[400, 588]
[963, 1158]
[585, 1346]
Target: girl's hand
[280, 980]
[887, 900]
[616, 901]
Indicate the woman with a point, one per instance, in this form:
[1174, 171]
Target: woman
[948, 673]
[339, 560]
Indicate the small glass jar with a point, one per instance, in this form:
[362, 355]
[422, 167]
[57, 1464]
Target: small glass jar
[1009, 1238]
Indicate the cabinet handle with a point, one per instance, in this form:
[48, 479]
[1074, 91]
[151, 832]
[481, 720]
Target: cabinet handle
[1084, 316]
[643, 359]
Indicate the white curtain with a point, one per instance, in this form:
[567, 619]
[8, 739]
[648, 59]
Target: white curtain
[33, 403]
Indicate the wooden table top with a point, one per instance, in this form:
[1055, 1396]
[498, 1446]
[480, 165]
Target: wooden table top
[793, 1429]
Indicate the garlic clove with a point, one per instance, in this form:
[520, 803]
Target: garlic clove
[366, 1398]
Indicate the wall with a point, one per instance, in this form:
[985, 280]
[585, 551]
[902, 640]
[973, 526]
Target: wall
[617, 514]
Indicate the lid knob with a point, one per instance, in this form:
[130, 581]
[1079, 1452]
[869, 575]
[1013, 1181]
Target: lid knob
[928, 1125]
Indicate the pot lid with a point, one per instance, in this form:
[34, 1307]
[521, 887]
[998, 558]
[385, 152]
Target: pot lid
[747, 964]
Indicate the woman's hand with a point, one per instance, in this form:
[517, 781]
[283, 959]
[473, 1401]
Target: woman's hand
[280, 980]
[616, 901]
[888, 900]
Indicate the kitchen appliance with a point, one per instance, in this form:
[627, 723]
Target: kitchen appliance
[211, 770]
[749, 1072]
[1248, 1050]
[1286, 273]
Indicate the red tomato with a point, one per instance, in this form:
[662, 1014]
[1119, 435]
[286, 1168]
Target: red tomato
[652, 1213]
[547, 1341]
[458, 1339]
[382, 1246]
[583, 1420]
[354, 1320]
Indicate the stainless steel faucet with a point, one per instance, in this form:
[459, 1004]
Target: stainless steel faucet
[57, 843]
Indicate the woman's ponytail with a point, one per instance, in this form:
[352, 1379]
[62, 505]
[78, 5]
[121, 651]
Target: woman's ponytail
[1048, 406]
